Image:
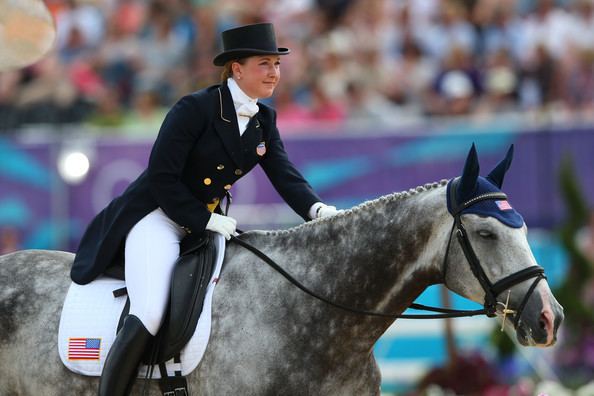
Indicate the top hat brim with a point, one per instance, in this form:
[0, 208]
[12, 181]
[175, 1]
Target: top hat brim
[239, 53]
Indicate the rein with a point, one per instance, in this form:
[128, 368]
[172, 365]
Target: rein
[444, 312]
[492, 290]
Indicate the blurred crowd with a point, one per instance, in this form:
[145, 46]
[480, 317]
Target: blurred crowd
[122, 63]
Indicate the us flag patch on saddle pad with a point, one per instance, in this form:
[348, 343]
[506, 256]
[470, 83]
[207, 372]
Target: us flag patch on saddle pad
[81, 348]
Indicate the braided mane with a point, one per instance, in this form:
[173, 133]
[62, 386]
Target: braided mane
[397, 196]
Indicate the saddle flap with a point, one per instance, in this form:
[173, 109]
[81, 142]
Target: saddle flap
[189, 283]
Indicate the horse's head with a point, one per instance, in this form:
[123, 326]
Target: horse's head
[489, 259]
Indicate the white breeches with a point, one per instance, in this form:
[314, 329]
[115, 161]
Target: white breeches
[152, 247]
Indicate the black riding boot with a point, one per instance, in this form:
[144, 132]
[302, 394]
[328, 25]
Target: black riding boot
[121, 365]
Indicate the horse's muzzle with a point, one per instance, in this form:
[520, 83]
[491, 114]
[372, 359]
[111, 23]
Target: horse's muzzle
[540, 320]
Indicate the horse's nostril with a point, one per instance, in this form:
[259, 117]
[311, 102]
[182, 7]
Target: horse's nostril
[545, 321]
[543, 324]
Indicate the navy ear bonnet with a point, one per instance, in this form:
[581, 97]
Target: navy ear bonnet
[471, 186]
[499, 209]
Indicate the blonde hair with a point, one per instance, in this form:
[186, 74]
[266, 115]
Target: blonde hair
[228, 70]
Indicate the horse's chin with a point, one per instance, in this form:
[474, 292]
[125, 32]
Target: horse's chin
[525, 338]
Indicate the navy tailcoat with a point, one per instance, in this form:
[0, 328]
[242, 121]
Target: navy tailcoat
[197, 156]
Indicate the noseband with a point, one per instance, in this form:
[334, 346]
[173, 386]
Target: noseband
[492, 290]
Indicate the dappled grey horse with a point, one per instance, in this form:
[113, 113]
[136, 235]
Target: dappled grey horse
[268, 337]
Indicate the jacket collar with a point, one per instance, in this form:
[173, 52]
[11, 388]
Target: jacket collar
[226, 125]
[226, 107]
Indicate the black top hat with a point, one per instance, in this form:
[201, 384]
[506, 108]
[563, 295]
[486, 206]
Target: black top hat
[248, 40]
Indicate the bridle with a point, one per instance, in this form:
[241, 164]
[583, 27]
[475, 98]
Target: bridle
[492, 290]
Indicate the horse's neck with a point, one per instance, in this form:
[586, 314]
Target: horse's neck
[395, 246]
[378, 256]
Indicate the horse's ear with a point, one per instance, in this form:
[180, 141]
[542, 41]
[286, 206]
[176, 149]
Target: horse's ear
[470, 174]
[498, 173]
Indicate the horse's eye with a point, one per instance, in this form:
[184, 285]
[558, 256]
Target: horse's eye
[486, 234]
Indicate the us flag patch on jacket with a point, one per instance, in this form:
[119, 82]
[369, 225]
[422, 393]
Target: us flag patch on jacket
[84, 348]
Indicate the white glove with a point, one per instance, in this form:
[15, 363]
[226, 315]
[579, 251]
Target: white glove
[224, 225]
[325, 211]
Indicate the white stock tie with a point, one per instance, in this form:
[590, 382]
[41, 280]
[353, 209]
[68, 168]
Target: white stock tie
[248, 109]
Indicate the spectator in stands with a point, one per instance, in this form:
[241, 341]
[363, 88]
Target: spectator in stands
[451, 30]
[119, 57]
[500, 28]
[412, 77]
[163, 61]
[368, 105]
[47, 96]
[80, 29]
[146, 115]
[500, 83]
[547, 29]
[578, 85]
[292, 116]
[393, 48]
[583, 25]
[457, 85]
[539, 84]
[324, 109]
[107, 111]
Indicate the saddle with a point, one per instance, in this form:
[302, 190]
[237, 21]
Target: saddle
[189, 282]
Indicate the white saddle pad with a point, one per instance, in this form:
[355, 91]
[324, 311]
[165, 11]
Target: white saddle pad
[90, 317]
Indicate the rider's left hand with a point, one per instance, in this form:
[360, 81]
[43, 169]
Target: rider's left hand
[326, 211]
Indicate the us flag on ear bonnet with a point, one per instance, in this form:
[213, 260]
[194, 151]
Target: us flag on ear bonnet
[470, 185]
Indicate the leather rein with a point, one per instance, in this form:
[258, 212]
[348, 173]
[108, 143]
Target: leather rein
[492, 290]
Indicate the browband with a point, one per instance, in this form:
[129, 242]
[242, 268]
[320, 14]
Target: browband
[456, 209]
